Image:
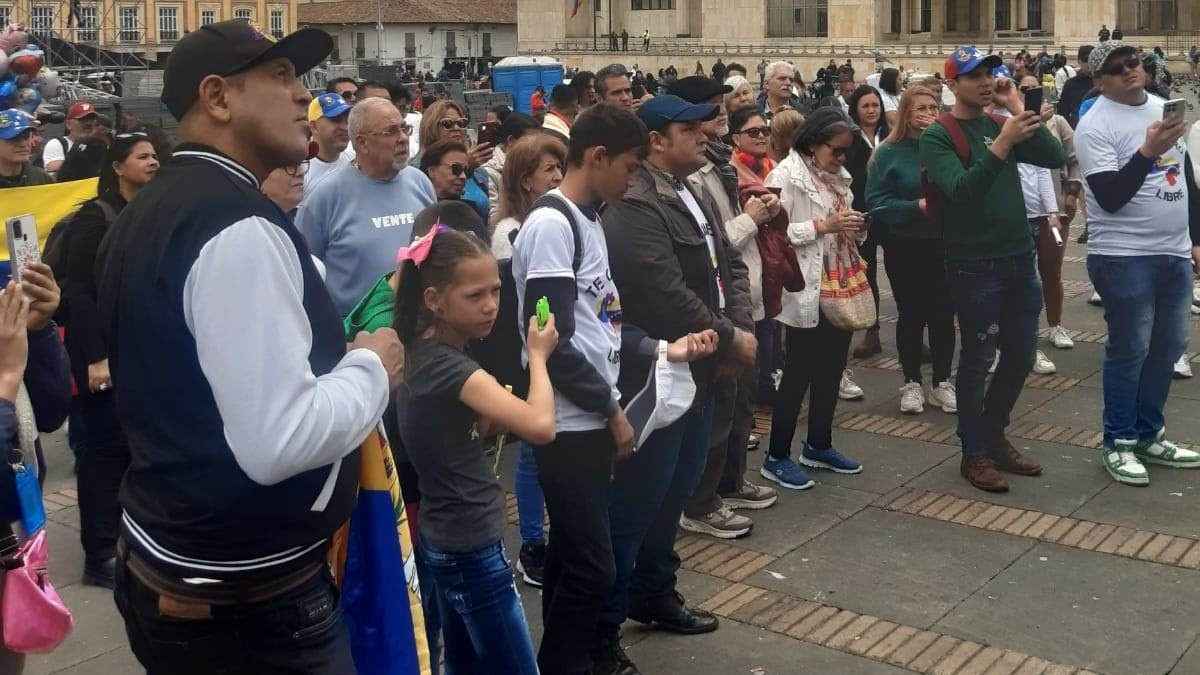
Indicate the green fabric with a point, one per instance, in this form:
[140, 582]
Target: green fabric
[894, 187]
[985, 211]
[373, 312]
[30, 175]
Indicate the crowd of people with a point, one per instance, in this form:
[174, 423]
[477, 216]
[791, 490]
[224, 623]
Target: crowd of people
[617, 281]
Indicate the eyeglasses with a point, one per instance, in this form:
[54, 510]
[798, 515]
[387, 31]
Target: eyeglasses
[393, 131]
[755, 132]
[839, 153]
[449, 124]
[1120, 67]
[297, 170]
[456, 168]
[349, 95]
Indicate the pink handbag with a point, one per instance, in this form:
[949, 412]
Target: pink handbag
[34, 616]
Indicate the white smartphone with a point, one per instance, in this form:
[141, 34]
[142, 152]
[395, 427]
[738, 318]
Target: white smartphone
[1173, 111]
[22, 235]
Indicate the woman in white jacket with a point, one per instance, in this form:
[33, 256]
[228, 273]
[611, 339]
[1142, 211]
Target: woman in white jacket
[816, 194]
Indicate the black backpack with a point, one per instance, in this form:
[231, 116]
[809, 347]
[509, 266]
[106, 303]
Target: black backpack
[500, 352]
[58, 242]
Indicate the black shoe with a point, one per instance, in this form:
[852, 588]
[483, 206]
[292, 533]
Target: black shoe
[100, 572]
[531, 562]
[608, 658]
[671, 614]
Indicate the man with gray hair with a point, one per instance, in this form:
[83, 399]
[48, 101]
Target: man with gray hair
[613, 86]
[359, 215]
[777, 91]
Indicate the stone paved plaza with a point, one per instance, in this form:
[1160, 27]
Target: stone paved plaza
[901, 568]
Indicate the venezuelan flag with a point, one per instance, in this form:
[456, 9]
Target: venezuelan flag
[372, 558]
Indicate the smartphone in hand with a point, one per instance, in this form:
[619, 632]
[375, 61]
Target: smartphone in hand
[22, 236]
[1033, 100]
[487, 132]
[1173, 111]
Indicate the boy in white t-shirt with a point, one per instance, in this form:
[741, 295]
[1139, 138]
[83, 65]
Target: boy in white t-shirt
[1139, 258]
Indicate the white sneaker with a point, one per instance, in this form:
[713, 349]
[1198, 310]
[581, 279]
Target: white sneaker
[1183, 369]
[848, 391]
[995, 362]
[945, 396]
[1095, 300]
[1043, 365]
[1059, 338]
[912, 398]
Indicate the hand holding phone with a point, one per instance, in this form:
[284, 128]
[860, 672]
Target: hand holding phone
[487, 132]
[1173, 111]
[1033, 99]
[22, 236]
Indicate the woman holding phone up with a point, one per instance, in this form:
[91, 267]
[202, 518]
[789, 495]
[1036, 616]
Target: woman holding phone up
[915, 256]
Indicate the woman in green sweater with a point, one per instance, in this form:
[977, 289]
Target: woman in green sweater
[914, 254]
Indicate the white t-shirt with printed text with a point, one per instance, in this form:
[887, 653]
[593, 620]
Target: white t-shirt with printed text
[709, 236]
[1155, 221]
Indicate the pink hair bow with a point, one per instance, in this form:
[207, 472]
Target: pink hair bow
[419, 250]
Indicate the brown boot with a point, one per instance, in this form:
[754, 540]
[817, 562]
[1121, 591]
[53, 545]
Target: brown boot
[869, 346]
[979, 471]
[1006, 458]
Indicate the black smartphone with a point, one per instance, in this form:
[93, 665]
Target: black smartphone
[1033, 99]
[487, 132]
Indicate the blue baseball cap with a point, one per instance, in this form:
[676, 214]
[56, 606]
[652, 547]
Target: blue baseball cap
[660, 111]
[13, 123]
[1002, 71]
[966, 59]
[327, 105]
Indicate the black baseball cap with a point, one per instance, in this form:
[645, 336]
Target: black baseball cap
[698, 89]
[230, 47]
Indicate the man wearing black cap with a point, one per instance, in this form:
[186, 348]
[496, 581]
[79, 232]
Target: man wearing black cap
[723, 486]
[672, 263]
[243, 405]
[972, 161]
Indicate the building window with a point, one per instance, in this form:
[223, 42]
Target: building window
[451, 45]
[208, 16]
[897, 12]
[5, 14]
[86, 24]
[130, 27]
[43, 19]
[973, 15]
[278, 25]
[797, 18]
[951, 16]
[652, 4]
[410, 45]
[1154, 16]
[487, 46]
[926, 17]
[360, 45]
[1003, 15]
[246, 13]
[168, 23]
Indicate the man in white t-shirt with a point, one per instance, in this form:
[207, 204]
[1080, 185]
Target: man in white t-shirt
[327, 117]
[1140, 257]
[81, 119]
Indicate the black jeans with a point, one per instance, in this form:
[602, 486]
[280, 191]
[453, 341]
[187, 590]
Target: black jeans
[300, 631]
[813, 364]
[574, 472]
[868, 250]
[102, 465]
[917, 270]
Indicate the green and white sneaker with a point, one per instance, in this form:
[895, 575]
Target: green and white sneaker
[1162, 451]
[1122, 464]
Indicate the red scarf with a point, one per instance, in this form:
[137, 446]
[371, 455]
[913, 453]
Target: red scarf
[761, 166]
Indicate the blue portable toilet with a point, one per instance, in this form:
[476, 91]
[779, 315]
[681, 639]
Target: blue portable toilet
[520, 75]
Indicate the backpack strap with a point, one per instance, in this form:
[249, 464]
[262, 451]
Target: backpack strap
[110, 214]
[957, 137]
[560, 205]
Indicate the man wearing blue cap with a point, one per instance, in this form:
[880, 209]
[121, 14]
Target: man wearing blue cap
[971, 160]
[16, 150]
[327, 115]
[672, 264]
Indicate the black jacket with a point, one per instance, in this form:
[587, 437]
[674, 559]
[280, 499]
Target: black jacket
[661, 264]
[84, 326]
[1072, 95]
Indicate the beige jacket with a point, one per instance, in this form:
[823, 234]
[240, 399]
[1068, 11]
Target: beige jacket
[740, 229]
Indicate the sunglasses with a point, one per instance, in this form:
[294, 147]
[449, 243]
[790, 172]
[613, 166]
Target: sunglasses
[1120, 67]
[839, 153]
[755, 132]
[449, 124]
[297, 170]
[455, 168]
[349, 95]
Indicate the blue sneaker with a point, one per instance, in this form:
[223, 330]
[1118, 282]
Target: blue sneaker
[786, 473]
[828, 459]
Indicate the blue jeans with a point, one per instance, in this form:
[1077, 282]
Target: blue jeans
[998, 303]
[531, 505]
[1146, 306]
[483, 624]
[645, 501]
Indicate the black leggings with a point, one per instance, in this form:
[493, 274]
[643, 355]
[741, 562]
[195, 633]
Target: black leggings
[917, 270]
[868, 250]
[813, 364]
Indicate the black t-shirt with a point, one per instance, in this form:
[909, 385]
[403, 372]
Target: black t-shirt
[462, 503]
